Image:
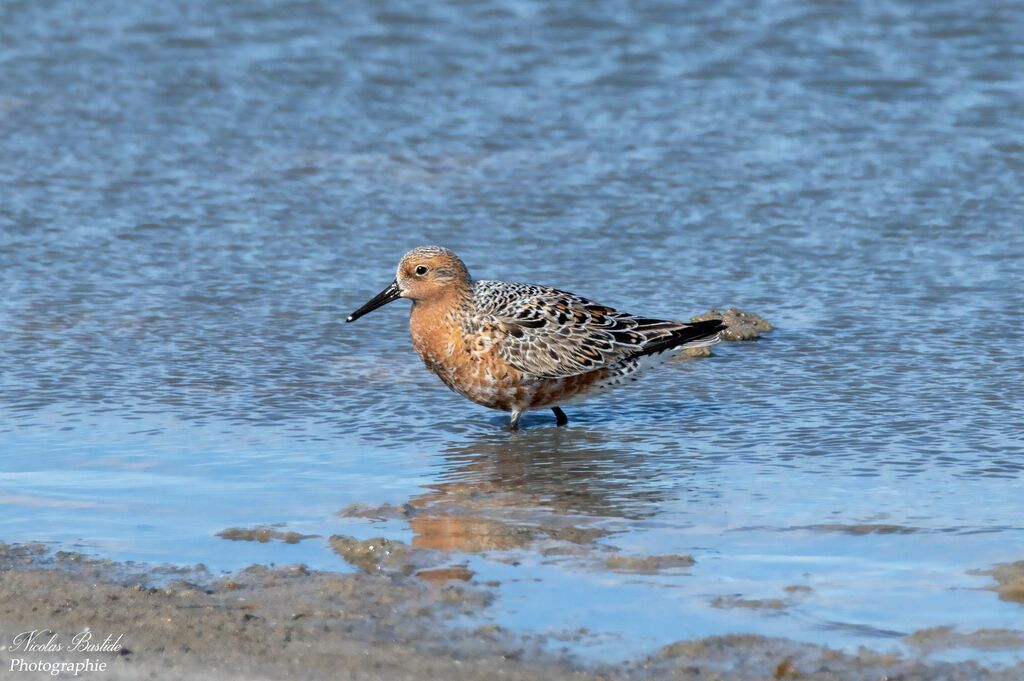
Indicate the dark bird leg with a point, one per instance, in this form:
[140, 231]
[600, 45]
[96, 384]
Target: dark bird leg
[560, 418]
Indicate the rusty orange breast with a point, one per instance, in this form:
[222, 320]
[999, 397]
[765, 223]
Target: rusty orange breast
[467, 363]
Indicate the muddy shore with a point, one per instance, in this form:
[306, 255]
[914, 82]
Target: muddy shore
[291, 622]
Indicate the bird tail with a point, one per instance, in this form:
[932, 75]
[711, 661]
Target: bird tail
[682, 336]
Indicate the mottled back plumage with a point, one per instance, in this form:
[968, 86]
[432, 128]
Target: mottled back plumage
[548, 333]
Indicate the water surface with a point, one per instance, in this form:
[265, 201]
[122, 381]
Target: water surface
[194, 196]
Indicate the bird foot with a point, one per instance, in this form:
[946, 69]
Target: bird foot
[560, 418]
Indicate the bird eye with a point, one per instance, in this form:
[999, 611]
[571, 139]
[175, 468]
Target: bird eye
[421, 270]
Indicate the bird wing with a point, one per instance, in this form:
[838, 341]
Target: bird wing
[549, 333]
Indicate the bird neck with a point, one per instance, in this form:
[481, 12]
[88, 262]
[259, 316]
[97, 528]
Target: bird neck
[441, 313]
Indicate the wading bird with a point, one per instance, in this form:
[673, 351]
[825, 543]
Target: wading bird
[516, 347]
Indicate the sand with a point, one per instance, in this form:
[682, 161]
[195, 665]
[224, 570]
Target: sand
[294, 623]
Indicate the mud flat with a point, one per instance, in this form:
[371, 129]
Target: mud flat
[290, 622]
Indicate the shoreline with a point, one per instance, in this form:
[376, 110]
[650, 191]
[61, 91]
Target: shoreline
[291, 622]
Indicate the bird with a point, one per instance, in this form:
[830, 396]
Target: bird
[516, 347]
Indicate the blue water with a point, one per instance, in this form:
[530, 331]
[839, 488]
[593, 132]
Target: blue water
[194, 195]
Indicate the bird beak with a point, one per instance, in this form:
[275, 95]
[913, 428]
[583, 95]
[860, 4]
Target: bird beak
[392, 292]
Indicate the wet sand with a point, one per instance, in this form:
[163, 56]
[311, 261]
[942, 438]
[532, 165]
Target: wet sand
[290, 622]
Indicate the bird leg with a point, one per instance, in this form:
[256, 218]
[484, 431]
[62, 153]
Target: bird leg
[560, 418]
[517, 414]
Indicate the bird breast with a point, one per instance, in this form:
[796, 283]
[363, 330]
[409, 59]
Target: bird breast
[467, 362]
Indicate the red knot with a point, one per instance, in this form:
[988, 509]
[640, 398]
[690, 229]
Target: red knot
[516, 347]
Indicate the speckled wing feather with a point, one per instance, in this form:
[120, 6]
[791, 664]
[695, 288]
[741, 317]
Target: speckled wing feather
[549, 333]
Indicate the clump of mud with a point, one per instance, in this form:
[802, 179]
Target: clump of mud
[750, 603]
[263, 535]
[944, 638]
[794, 593]
[860, 529]
[648, 564]
[381, 512]
[380, 554]
[797, 589]
[1009, 581]
[741, 325]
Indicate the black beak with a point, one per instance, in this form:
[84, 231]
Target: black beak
[392, 292]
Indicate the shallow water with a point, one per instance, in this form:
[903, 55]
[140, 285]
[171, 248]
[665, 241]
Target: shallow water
[194, 196]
